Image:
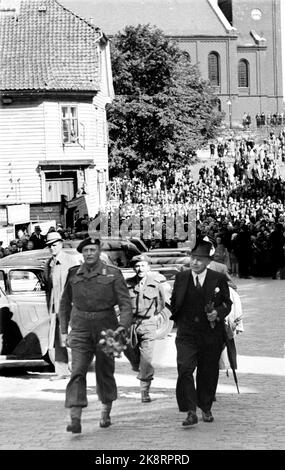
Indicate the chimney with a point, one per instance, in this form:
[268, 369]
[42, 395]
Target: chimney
[9, 7]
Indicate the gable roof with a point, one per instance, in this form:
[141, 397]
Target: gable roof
[173, 17]
[46, 47]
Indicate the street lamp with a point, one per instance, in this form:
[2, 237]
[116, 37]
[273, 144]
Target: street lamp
[229, 103]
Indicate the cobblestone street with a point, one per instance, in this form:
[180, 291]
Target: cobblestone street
[33, 416]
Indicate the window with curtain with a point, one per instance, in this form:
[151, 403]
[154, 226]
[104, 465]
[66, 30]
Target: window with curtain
[214, 68]
[243, 74]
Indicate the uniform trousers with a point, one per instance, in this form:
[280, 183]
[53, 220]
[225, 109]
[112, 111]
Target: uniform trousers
[83, 339]
[201, 349]
[142, 355]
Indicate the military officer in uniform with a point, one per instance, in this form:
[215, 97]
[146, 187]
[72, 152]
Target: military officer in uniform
[91, 292]
[148, 301]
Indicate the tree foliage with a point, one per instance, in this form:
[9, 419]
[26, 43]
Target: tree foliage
[163, 110]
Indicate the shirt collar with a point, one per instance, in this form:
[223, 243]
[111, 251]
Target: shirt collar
[58, 259]
[201, 276]
[97, 269]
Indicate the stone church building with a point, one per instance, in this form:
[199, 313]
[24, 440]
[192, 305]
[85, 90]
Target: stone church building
[236, 43]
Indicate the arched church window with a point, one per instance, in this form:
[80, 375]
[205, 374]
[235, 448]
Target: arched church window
[214, 68]
[243, 74]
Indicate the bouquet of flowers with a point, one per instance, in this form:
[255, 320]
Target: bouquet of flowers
[113, 342]
[210, 306]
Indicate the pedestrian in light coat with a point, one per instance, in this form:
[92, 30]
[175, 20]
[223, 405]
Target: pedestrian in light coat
[55, 274]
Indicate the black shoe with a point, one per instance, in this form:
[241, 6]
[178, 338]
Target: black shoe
[207, 416]
[105, 420]
[191, 419]
[75, 426]
[145, 396]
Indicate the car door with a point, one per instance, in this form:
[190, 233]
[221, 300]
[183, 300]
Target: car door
[4, 304]
[28, 303]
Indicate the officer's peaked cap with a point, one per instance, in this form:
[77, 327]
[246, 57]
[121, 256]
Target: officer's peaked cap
[88, 241]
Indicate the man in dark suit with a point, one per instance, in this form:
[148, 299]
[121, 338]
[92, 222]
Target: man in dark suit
[38, 239]
[200, 302]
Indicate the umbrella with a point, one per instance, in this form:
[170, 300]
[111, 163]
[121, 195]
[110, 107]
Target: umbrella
[230, 345]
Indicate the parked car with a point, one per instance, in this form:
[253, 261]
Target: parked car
[24, 318]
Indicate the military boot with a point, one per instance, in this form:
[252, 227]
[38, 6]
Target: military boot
[75, 415]
[105, 420]
[145, 386]
[145, 396]
[74, 426]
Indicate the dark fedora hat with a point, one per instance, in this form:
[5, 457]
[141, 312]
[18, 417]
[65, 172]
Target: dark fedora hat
[203, 249]
[88, 241]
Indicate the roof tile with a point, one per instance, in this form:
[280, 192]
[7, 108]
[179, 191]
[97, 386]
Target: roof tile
[47, 49]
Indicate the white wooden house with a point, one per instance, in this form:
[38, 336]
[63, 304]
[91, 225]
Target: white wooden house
[55, 82]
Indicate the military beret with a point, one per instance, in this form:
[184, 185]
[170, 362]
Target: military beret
[88, 241]
[138, 258]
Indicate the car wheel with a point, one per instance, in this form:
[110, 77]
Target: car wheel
[164, 324]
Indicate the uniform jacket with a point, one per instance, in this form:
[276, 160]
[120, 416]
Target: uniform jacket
[213, 280]
[151, 301]
[98, 290]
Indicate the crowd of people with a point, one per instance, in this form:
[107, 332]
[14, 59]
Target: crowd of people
[37, 240]
[262, 119]
[238, 201]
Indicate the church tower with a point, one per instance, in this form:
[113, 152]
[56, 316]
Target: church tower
[259, 54]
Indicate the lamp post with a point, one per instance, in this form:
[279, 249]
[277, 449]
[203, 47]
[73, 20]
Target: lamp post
[229, 103]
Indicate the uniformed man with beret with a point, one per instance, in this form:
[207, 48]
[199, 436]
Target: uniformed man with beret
[147, 296]
[91, 292]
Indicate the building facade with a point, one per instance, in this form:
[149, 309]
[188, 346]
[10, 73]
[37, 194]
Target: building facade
[236, 43]
[55, 82]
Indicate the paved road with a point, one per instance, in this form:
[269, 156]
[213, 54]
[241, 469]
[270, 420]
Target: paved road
[32, 415]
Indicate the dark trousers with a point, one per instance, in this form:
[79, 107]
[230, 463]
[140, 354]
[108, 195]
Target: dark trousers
[199, 350]
[83, 339]
[60, 352]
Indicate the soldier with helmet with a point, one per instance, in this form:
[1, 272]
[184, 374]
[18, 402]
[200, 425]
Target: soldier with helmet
[91, 292]
[147, 297]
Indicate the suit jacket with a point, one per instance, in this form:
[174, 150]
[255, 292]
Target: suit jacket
[216, 290]
[38, 241]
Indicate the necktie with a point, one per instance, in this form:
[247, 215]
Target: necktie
[198, 285]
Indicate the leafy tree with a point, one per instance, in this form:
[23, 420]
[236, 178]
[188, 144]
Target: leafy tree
[163, 111]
